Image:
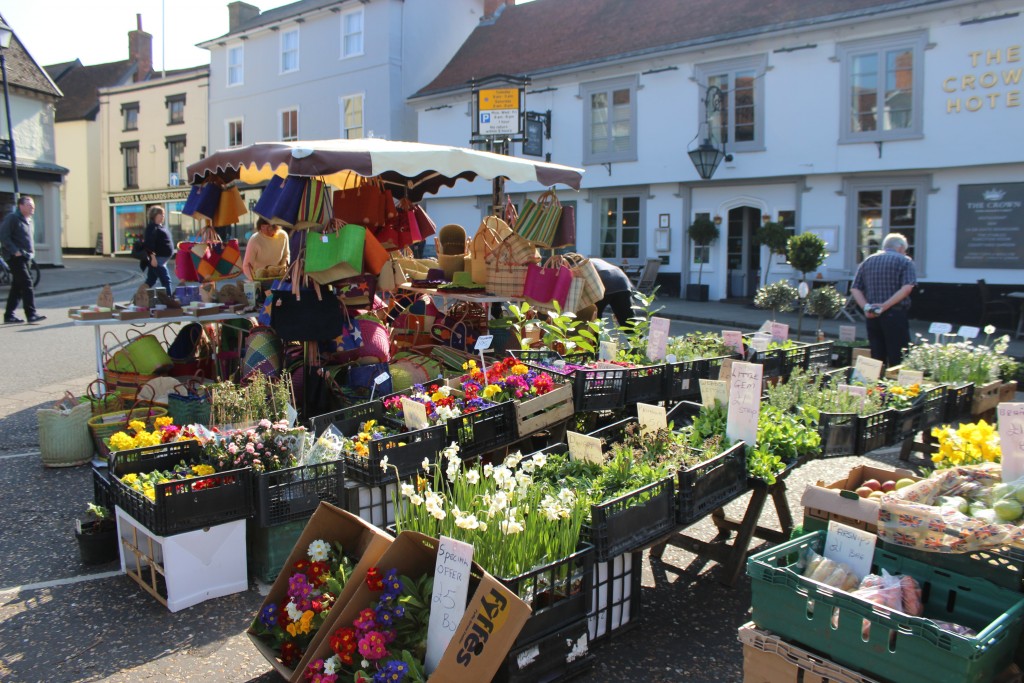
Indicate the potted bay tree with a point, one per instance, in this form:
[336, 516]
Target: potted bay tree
[703, 232]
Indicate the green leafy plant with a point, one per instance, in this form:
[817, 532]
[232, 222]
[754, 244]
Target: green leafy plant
[697, 345]
[782, 438]
[637, 329]
[774, 236]
[806, 252]
[824, 302]
[778, 297]
[703, 232]
[561, 331]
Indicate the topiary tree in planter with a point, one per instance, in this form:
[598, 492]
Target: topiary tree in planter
[806, 252]
[703, 232]
[824, 302]
[778, 297]
[774, 236]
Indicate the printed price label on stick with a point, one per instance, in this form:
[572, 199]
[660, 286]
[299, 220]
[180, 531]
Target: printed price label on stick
[657, 338]
[377, 381]
[853, 547]
[1011, 439]
[907, 377]
[848, 333]
[415, 414]
[868, 368]
[448, 599]
[939, 329]
[712, 390]
[484, 342]
[780, 332]
[608, 350]
[968, 332]
[855, 391]
[651, 418]
[733, 339]
[744, 402]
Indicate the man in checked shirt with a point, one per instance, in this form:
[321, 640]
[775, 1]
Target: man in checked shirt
[882, 288]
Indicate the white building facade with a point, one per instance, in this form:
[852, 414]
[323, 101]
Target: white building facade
[895, 117]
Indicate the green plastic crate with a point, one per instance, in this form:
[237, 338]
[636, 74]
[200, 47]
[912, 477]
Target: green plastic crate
[899, 647]
[270, 546]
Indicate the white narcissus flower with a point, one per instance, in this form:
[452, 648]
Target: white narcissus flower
[425, 464]
[416, 499]
[473, 477]
[408, 490]
[481, 525]
[438, 514]
[488, 470]
[510, 527]
[512, 459]
[989, 329]
[467, 522]
[567, 497]
[384, 463]
[318, 550]
[540, 460]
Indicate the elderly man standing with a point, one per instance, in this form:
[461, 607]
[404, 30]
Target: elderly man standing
[882, 287]
[16, 240]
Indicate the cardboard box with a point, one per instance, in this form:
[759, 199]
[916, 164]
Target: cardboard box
[90, 313]
[361, 539]
[493, 619]
[837, 501]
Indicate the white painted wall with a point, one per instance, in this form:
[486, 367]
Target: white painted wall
[79, 145]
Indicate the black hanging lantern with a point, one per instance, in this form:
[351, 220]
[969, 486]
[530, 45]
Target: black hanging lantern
[707, 156]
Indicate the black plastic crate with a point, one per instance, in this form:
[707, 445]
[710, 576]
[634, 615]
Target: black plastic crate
[347, 420]
[792, 358]
[103, 488]
[771, 359]
[711, 484]
[180, 505]
[933, 406]
[645, 384]
[615, 601]
[558, 656]
[405, 451]
[535, 355]
[905, 422]
[874, 430]
[613, 432]
[374, 504]
[633, 519]
[842, 355]
[683, 412]
[482, 431]
[599, 389]
[682, 380]
[819, 357]
[294, 493]
[558, 593]
[838, 432]
[710, 368]
[958, 401]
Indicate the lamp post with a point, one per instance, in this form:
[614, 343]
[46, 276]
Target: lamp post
[707, 156]
[5, 42]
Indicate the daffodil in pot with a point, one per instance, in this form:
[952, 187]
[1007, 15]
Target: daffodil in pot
[97, 536]
[703, 231]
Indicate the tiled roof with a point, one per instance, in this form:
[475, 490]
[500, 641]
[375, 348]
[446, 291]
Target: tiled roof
[22, 70]
[80, 84]
[549, 35]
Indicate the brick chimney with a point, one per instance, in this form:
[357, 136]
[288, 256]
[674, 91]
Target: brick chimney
[239, 13]
[140, 51]
[492, 8]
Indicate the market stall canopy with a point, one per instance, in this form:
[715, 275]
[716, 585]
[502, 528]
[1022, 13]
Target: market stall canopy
[410, 169]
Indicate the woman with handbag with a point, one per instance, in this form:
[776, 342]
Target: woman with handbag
[160, 247]
[267, 247]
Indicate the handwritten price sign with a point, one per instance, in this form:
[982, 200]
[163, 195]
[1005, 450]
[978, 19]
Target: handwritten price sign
[744, 402]
[448, 600]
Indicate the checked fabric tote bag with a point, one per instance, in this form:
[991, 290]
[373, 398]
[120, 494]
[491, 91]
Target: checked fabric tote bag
[539, 220]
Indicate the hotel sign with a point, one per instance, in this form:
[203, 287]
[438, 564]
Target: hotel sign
[990, 226]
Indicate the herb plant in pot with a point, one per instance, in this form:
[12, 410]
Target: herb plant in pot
[703, 232]
[97, 536]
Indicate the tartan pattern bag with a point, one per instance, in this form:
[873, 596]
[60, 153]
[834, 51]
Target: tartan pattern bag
[586, 288]
[507, 264]
[539, 220]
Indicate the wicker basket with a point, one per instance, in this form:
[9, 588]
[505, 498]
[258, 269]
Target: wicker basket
[451, 249]
[106, 425]
[101, 402]
[64, 433]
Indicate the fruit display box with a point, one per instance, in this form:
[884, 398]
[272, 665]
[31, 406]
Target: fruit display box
[839, 500]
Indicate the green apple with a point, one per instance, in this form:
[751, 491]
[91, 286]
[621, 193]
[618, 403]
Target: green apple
[1019, 494]
[1008, 509]
[904, 483]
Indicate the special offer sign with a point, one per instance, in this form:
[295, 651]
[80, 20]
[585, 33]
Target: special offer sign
[498, 112]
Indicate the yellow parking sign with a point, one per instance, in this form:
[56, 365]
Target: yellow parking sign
[503, 98]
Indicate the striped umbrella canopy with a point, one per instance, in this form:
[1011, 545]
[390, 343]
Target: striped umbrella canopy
[409, 169]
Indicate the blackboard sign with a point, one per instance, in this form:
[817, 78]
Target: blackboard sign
[990, 226]
[533, 145]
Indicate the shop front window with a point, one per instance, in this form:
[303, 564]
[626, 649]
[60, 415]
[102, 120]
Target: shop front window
[129, 226]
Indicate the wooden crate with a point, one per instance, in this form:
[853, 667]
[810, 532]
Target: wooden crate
[986, 397]
[541, 412]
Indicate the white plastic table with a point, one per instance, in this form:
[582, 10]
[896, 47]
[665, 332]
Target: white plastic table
[142, 322]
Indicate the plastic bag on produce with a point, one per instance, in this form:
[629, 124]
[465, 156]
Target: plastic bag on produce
[829, 572]
[323, 448]
[909, 516]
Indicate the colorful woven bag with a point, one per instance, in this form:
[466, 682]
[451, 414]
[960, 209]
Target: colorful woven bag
[539, 220]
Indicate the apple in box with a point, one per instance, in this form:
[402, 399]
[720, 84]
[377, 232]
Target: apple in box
[852, 500]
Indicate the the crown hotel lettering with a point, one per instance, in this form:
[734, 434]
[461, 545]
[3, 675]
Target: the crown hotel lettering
[985, 86]
[994, 200]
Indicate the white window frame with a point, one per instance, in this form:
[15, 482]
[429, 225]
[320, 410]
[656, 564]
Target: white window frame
[586, 91]
[619, 194]
[344, 16]
[235, 72]
[227, 131]
[916, 42]
[730, 67]
[280, 121]
[362, 109]
[285, 51]
[921, 184]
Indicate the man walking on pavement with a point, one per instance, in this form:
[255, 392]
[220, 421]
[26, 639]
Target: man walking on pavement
[16, 242]
[882, 287]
